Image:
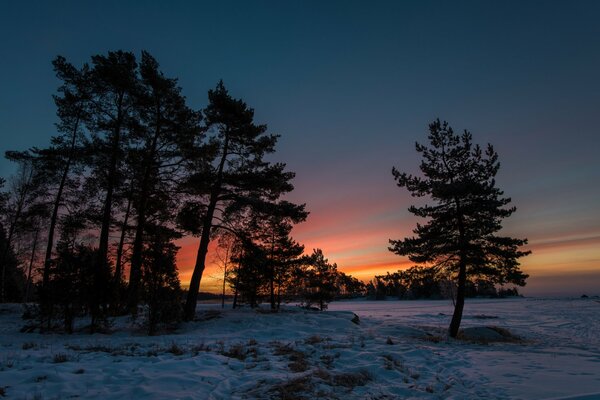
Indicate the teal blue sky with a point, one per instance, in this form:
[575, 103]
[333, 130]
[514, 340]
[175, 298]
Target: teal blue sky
[350, 86]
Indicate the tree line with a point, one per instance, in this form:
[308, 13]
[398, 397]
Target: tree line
[97, 213]
[426, 283]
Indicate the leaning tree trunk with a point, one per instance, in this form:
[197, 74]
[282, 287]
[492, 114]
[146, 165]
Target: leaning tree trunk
[460, 300]
[462, 273]
[192, 297]
[56, 206]
[33, 250]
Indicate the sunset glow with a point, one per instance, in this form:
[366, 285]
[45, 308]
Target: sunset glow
[358, 241]
[350, 87]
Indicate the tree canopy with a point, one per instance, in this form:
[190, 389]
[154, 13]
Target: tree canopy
[460, 233]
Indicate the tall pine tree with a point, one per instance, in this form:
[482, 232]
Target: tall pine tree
[460, 233]
[237, 179]
[167, 128]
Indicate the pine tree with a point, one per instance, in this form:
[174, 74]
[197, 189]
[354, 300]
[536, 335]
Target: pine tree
[113, 86]
[460, 234]
[236, 181]
[63, 159]
[319, 280]
[160, 281]
[270, 228]
[168, 127]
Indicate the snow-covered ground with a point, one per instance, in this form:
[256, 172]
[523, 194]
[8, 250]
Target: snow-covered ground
[397, 351]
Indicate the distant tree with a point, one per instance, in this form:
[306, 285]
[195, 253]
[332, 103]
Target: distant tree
[162, 291]
[270, 255]
[460, 232]
[236, 180]
[270, 228]
[348, 286]
[319, 281]
[248, 279]
[421, 283]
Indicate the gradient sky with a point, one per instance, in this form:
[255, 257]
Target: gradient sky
[351, 86]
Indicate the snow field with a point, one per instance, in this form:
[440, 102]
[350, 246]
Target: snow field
[398, 350]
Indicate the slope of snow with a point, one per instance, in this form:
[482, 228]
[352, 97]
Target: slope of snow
[398, 350]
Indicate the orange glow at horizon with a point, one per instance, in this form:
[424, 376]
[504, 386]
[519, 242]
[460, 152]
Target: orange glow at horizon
[355, 237]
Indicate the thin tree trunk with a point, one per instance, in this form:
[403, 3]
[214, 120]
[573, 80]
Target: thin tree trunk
[192, 298]
[462, 274]
[278, 294]
[223, 294]
[235, 290]
[460, 301]
[272, 277]
[116, 300]
[102, 255]
[119, 260]
[135, 272]
[34, 248]
[57, 201]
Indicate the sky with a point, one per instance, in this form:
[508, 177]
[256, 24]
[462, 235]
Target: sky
[351, 86]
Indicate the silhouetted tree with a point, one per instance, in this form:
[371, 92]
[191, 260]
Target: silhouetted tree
[13, 279]
[113, 86]
[237, 180]
[270, 228]
[348, 286]
[319, 280]
[167, 129]
[460, 232]
[162, 291]
[248, 279]
[61, 162]
[70, 286]
[26, 187]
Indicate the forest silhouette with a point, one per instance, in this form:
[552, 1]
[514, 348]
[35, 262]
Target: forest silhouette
[89, 223]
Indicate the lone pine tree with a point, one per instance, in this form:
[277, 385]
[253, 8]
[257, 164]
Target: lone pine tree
[460, 234]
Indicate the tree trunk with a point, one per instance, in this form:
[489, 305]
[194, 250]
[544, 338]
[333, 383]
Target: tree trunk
[460, 301]
[135, 273]
[116, 298]
[102, 255]
[235, 290]
[223, 293]
[462, 273]
[34, 248]
[272, 273]
[192, 298]
[278, 294]
[57, 200]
